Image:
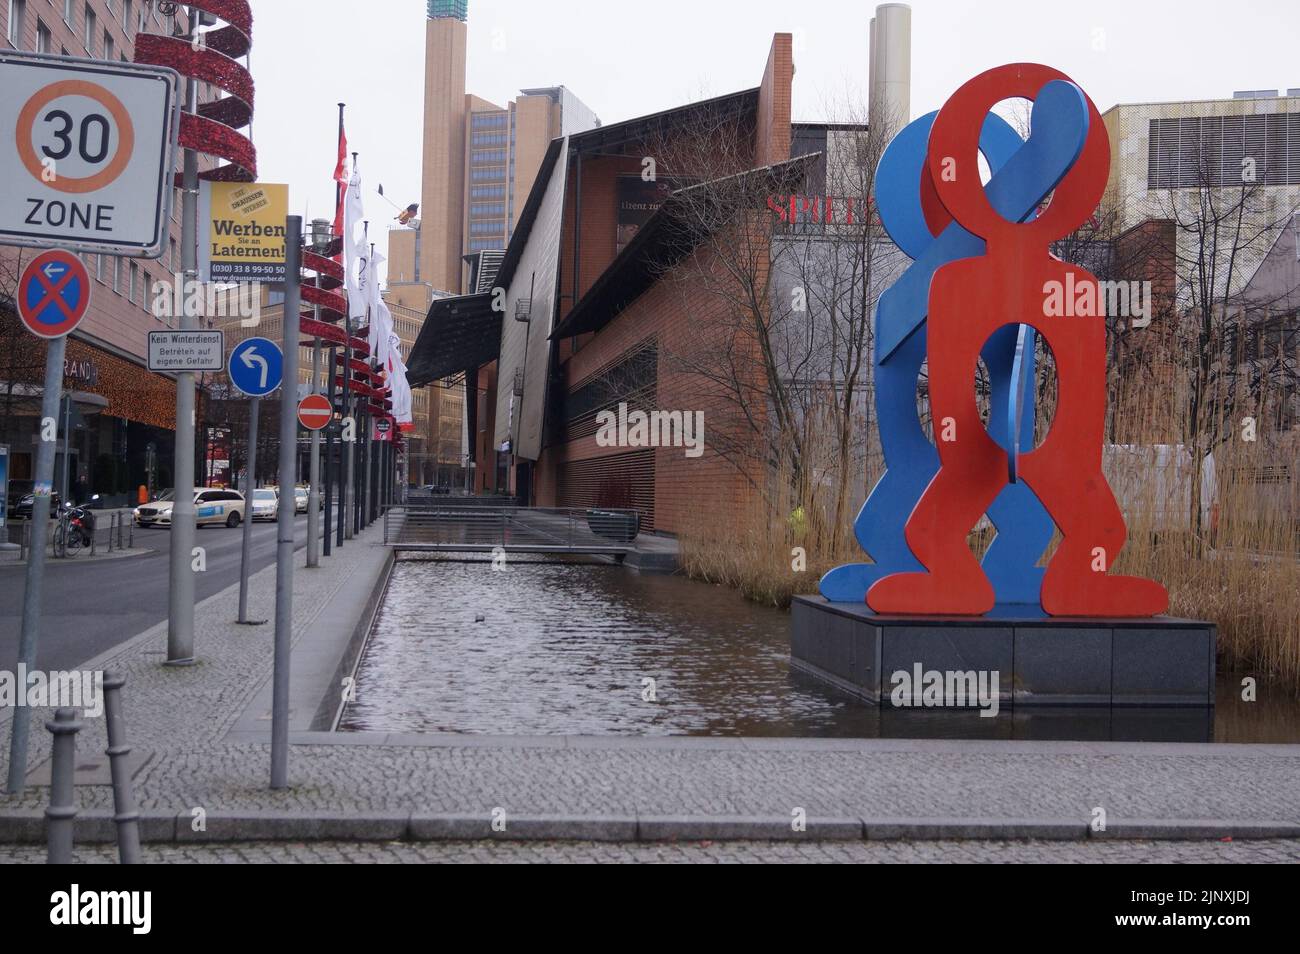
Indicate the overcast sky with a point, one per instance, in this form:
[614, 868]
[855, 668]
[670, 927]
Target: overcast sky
[626, 58]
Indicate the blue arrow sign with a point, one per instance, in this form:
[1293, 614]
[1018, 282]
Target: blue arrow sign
[256, 366]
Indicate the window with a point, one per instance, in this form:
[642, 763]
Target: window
[1216, 151]
[131, 282]
[67, 12]
[90, 31]
[44, 41]
[99, 267]
[117, 274]
[126, 17]
[108, 45]
[17, 20]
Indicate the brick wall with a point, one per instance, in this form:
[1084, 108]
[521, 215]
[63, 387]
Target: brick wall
[683, 319]
[772, 144]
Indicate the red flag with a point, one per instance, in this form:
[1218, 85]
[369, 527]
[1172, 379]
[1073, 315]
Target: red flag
[341, 177]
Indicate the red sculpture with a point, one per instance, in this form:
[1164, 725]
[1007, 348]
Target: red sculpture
[969, 300]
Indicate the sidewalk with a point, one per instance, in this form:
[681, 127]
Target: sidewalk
[200, 735]
[11, 556]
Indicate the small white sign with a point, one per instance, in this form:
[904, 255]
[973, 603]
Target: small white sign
[187, 351]
[86, 153]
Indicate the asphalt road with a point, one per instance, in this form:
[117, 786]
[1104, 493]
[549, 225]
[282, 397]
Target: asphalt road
[90, 607]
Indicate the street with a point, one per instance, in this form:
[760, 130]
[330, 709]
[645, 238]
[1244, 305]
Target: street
[90, 606]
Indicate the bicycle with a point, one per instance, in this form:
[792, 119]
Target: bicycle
[69, 540]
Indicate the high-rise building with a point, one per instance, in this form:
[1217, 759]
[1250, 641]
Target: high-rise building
[480, 159]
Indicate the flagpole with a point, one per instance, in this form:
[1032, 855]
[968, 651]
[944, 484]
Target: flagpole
[350, 499]
[329, 378]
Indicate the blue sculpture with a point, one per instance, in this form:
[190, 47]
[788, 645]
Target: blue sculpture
[1024, 172]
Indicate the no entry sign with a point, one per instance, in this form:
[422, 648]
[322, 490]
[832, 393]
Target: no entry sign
[314, 412]
[87, 148]
[53, 293]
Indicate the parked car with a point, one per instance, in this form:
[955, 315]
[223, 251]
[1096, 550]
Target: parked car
[21, 507]
[211, 507]
[266, 504]
[300, 500]
[18, 489]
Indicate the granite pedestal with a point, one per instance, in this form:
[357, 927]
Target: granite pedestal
[1040, 660]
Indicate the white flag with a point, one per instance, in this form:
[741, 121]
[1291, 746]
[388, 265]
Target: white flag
[380, 318]
[356, 267]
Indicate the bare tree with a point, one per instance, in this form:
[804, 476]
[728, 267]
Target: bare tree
[788, 261]
[1222, 231]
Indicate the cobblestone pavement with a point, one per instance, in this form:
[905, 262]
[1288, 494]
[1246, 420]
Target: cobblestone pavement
[178, 721]
[707, 852]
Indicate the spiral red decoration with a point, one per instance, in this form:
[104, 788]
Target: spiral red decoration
[330, 302]
[214, 129]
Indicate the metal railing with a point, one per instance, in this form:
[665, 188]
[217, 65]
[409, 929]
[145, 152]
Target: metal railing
[113, 531]
[510, 529]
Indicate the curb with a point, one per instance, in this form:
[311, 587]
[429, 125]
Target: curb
[97, 827]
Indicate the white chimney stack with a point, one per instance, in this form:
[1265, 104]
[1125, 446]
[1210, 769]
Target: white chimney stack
[890, 66]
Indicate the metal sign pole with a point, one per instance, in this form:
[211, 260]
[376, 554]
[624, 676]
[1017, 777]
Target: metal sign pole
[329, 457]
[67, 448]
[180, 602]
[313, 490]
[284, 525]
[250, 483]
[31, 626]
[347, 447]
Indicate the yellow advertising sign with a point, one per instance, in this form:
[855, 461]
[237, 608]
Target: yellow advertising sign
[244, 237]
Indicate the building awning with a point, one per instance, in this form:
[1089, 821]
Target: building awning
[459, 334]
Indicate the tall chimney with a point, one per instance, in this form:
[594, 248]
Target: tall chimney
[890, 67]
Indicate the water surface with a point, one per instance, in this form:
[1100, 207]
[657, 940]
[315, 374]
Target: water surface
[577, 648]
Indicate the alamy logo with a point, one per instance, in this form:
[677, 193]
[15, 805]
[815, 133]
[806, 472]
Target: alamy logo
[183, 297]
[933, 688]
[626, 428]
[133, 908]
[78, 689]
[1093, 299]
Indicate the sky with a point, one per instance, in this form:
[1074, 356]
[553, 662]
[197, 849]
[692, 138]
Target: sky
[627, 58]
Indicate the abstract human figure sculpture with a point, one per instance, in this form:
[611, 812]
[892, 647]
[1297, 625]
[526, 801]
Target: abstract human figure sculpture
[970, 301]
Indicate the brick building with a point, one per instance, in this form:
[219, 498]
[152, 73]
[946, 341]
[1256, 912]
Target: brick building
[594, 305]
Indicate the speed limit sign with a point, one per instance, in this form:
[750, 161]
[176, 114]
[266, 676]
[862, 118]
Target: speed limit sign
[86, 153]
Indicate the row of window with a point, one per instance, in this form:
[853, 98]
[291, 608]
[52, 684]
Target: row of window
[134, 13]
[126, 277]
[488, 121]
[483, 245]
[487, 192]
[482, 209]
[488, 139]
[488, 155]
[489, 173]
[487, 228]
